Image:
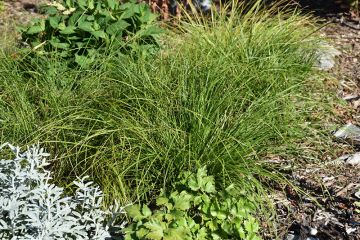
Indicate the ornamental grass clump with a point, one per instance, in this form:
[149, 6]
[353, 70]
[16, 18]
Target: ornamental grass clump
[225, 92]
[33, 208]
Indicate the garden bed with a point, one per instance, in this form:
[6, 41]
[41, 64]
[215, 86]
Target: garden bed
[239, 95]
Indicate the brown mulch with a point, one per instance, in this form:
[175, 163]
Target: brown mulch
[326, 210]
[19, 11]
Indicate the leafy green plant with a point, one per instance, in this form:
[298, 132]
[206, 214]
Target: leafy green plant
[195, 210]
[76, 29]
[224, 94]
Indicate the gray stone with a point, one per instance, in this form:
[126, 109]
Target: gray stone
[351, 159]
[354, 159]
[326, 56]
[349, 132]
[292, 237]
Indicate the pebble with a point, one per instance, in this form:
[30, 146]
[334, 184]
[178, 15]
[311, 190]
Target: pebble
[313, 231]
[349, 131]
[354, 159]
[326, 56]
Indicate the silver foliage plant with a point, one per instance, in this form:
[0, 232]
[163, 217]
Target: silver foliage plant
[33, 208]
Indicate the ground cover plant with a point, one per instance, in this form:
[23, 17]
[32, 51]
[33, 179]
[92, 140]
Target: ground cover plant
[33, 208]
[221, 93]
[195, 210]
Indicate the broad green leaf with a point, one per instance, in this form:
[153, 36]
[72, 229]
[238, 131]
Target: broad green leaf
[147, 17]
[96, 26]
[59, 44]
[61, 26]
[117, 27]
[233, 211]
[193, 184]
[197, 200]
[68, 30]
[86, 26]
[201, 172]
[91, 5]
[82, 4]
[227, 227]
[126, 5]
[230, 189]
[128, 13]
[241, 233]
[73, 38]
[156, 230]
[209, 187]
[92, 52]
[99, 34]
[50, 10]
[212, 225]
[182, 201]
[192, 224]
[54, 21]
[150, 31]
[202, 234]
[134, 212]
[221, 215]
[64, 54]
[111, 4]
[253, 236]
[146, 211]
[74, 18]
[214, 208]
[80, 44]
[69, 3]
[179, 233]
[251, 226]
[161, 201]
[215, 236]
[90, 18]
[141, 233]
[169, 217]
[35, 29]
[83, 61]
[237, 222]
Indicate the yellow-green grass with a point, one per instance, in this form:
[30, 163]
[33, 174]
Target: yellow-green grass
[221, 92]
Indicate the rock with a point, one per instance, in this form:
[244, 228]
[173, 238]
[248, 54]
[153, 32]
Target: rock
[292, 237]
[351, 159]
[357, 194]
[30, 7]
[354, 159]
[325, 63]
[349, 132]
[313, 231]
[351, 97]
[326, 56]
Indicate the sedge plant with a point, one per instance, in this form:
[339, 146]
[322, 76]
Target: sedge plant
[221, 93]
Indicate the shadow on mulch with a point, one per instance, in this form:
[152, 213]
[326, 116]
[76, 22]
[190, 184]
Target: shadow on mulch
[325, 7]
